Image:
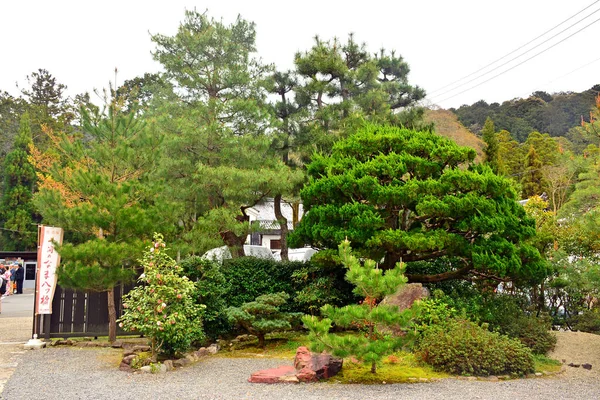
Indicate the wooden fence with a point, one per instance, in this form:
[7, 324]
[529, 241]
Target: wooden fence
[76, 313]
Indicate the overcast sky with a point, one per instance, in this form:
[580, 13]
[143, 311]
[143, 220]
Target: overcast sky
[81, 42]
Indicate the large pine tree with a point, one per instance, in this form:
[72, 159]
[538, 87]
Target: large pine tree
[18, 217]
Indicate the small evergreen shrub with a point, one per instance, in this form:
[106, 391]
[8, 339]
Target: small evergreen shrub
[588, 321]
[211, 290]
[464, 348]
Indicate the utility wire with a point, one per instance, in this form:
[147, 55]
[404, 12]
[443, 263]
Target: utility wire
[519, 64]
[519, 56]
[517, 49]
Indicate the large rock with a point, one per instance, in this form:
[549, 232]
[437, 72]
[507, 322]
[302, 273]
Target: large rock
[312, 366]
[273, 375]
[407, 295]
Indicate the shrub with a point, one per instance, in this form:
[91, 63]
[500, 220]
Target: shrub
[211, 291]
[162, 307]
[262, 315]
[465, 348]
[589, 321]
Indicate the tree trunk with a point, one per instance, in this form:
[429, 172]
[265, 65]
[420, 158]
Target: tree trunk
[235, 243]
[283, 226]
[112, 316]
[261, 340]
[373, 368]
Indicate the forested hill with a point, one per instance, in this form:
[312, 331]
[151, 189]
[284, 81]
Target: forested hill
[554, 114]
[447, 125]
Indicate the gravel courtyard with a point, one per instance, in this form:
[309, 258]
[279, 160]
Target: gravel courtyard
[91, 373]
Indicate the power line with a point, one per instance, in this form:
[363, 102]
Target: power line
[519, 64]
[517, 49]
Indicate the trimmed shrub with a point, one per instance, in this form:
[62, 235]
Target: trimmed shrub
[211, 289]
[588, 321]
[465, 348]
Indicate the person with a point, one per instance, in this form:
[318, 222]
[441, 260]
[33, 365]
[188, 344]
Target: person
[7, 280]
[2, 286]
[19, 277]
[13, 283]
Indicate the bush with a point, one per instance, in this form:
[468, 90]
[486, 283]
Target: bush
[589, 321]
[162, 307]
[465, 348]
[211, 290]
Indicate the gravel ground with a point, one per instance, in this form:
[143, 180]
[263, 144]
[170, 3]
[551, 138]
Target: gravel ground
[91, 373]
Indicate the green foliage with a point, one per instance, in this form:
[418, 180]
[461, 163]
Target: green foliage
[465, 348]
[375, 320]
[211, 290]
[262, 315]
[163, 306]
[18, 216]
[588, 321]
[488, 134]
[406, 195]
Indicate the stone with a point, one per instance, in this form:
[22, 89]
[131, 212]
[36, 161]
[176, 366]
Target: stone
[213, 348]
[125, 367]
[128, 352]
[146, 369]
[127, 359]
[181, 362]
[244, 338]
[574, 365]
[191, 358]
[423, 380]
[140, 348]
[116, 344]
[406, 296]
[587, 366]
[289, 379]
[271, 375]
[539, 374]
[493, 378]
[201, 352]
[324, 365]
[307, 375]
[168, 364]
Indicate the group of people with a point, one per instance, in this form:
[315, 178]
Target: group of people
[11, 279]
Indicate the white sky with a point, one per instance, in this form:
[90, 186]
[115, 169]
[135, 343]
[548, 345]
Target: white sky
[81, 42]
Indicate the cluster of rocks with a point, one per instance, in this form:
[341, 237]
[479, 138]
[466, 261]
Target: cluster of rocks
[131, 356]
[88, 343]
[584, 366]
[308, 367]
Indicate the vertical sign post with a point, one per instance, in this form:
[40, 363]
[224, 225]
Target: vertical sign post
[48, 260]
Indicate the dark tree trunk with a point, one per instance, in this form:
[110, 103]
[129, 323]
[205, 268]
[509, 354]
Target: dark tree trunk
[261, 340]
[112, 316]
[283, 226]
[235, 243]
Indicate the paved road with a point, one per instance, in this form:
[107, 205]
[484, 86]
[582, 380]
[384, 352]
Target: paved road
[16, 322]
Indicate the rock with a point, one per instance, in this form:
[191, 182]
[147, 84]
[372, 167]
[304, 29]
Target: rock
[125, 367]
[213, 348]
[244, 338]
[324, 365]
[539, 374]
[289, 379]
[128, 352]
[146, 369]
[587, 366]
[201, 352]
[116, 344]
[415, 379]
[573, 365]
[271, 375]
[140, 348]
[493, 378]
[307, 375]
[127, 359]
[168, 364]
[423, 380]
[181, 362]
[407, 295]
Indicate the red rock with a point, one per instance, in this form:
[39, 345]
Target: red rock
[271, 375]
[322, 365]
[306, 375]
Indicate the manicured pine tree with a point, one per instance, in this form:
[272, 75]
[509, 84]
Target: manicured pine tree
[373, 318]
[18, 217]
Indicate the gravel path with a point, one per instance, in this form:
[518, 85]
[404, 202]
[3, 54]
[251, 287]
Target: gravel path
[91, 373]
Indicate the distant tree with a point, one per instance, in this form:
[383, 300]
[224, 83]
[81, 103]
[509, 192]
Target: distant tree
[532, 179]
[403, 195]
[488, 134]
[510, 155]
[18, 216]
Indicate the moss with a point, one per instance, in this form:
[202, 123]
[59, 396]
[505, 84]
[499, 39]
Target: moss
[545, 364]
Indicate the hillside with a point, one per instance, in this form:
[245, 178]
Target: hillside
[447, 125]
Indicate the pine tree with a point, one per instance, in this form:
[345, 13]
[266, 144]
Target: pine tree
[17, 213]
[532, 179]
[371, 317]
[488, 134]
[99, 190]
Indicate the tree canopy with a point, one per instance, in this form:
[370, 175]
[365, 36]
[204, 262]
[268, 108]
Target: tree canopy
[404, 195]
